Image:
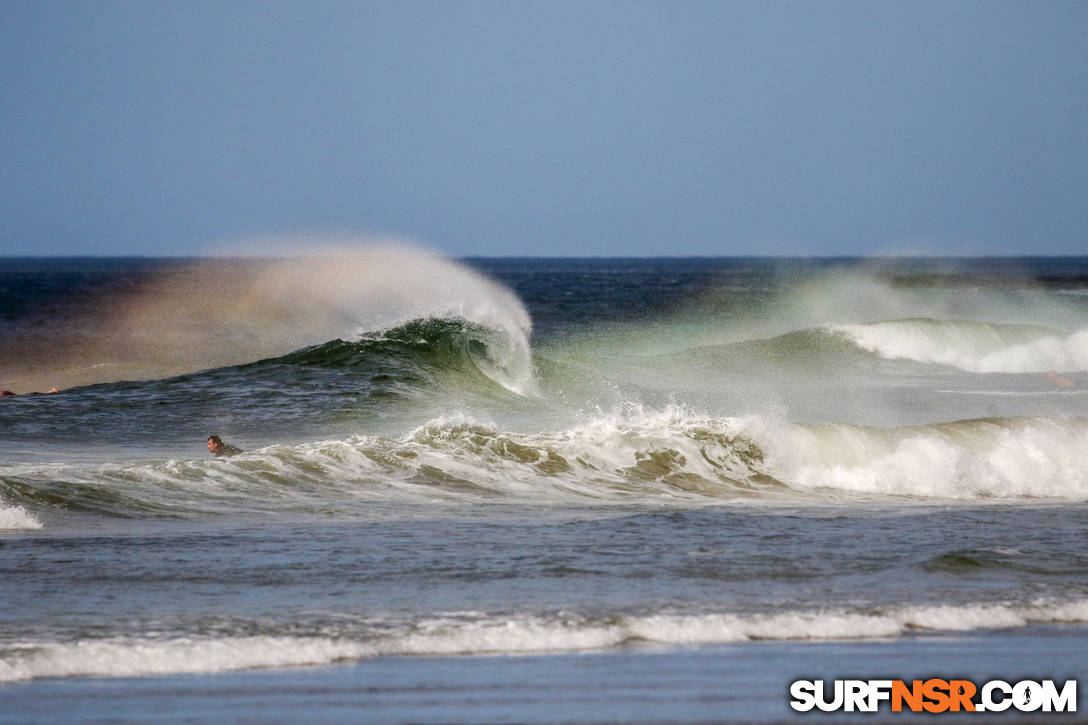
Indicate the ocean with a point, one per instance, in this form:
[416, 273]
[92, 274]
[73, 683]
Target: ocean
[535, 490]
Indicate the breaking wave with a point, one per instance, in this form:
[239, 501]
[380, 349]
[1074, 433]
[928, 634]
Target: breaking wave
[975, 347]
[16, 517]
[227, 312]
[644, 458]
[426, 349]
[477, 634]
[969, 459]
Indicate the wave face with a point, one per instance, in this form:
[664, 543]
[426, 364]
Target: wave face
[428, 348]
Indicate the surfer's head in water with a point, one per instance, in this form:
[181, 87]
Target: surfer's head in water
[217, 447]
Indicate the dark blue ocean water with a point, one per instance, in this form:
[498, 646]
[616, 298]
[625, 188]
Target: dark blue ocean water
[461, 482]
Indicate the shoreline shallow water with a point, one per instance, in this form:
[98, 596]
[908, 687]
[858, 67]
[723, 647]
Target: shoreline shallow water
[735, 683]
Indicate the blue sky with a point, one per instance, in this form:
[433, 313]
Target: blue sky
[546, 128]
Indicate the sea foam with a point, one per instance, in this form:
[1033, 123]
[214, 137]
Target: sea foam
[662, 457]
[16, 517]
[971, 459]
[481, 634]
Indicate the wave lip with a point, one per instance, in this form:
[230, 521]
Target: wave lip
[975, 347]
[509, 635]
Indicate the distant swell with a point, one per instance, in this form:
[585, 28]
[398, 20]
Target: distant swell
[475, 634]
[972, 346]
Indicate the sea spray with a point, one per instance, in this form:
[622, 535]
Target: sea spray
[972, 346]
[16, 518]
[214, 313]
